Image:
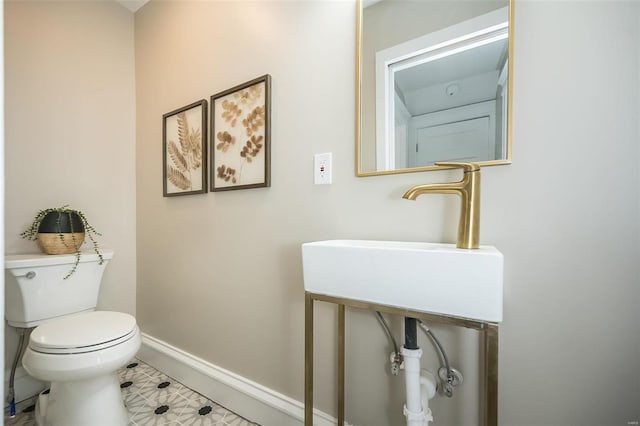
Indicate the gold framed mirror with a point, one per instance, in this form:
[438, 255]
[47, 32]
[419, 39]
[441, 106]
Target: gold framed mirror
[433, 83]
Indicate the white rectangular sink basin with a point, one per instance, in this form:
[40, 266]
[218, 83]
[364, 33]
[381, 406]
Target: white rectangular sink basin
[425, 277]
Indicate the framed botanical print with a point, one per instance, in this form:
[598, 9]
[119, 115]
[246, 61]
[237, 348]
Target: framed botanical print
[184, 155]
[240, 136]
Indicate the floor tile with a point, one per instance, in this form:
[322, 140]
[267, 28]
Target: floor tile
[153, 399]
[134, 402]
[201, 411]
[158, 386]
[164, 409]
[232, 419]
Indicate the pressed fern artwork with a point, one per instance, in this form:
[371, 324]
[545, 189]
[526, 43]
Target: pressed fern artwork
[240, 142]
[185, 150]
[186, 156]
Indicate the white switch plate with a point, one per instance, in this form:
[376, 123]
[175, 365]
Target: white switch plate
[322, 169]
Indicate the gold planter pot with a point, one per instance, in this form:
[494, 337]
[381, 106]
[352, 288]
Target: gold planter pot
[65, 243]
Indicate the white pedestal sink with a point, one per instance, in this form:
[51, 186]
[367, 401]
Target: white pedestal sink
[425, 277]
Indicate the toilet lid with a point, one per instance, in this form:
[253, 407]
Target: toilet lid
[85, 332]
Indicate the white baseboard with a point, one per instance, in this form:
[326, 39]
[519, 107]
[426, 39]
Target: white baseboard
[24, 385]
[239, 394]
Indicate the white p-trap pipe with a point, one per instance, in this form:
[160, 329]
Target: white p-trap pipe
[416, 414]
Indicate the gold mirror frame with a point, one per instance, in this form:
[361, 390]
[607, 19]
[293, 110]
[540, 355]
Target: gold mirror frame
[359, 172]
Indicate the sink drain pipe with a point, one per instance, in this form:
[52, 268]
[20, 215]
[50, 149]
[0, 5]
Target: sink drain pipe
[419, 389]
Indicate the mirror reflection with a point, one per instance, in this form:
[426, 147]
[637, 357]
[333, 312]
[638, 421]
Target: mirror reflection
[433, 84]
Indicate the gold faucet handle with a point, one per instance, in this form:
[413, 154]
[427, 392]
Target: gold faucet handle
[467, 167]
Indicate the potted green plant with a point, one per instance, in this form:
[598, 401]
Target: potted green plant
[62, 230]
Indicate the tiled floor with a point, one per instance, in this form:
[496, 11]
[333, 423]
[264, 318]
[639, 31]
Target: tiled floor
[154, 399]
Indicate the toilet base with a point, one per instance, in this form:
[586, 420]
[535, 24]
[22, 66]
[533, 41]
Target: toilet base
[96, 402]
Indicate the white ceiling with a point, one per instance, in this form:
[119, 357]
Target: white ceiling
[132, 5]
[476, 61]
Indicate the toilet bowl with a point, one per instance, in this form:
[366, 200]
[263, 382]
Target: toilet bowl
[73, 346]
[80, 355]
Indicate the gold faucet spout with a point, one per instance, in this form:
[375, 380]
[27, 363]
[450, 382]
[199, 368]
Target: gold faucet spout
[469, 191]
[431, 188]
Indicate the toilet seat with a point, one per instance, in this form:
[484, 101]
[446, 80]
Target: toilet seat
[82, 333]
[85, 388]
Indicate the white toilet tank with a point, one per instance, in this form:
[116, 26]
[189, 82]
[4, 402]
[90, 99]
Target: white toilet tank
[36, 292]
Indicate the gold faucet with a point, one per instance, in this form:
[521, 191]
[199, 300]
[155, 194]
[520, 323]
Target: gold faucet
[469, 191]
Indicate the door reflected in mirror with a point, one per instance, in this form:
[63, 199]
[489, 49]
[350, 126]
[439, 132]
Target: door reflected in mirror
[433, 84]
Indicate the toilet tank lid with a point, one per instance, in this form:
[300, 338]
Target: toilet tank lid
[40, 259]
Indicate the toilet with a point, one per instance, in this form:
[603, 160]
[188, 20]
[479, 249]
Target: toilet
[74, 347]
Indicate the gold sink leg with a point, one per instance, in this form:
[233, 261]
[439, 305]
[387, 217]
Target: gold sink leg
[308, 360]
[341, 344]
[490, 356]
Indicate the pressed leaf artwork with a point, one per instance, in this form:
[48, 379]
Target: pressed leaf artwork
[226, 140]
[195, 141]
[227, 174]
[254, 121]
[252, 148]
[187, 157]
[178, 178]
[178, 159]
[239, 119]
[184, 146]
[250, 95]
[231, 112]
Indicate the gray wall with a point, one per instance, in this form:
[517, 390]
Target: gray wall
[569, 311]
[70, 129]
[219, 275]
